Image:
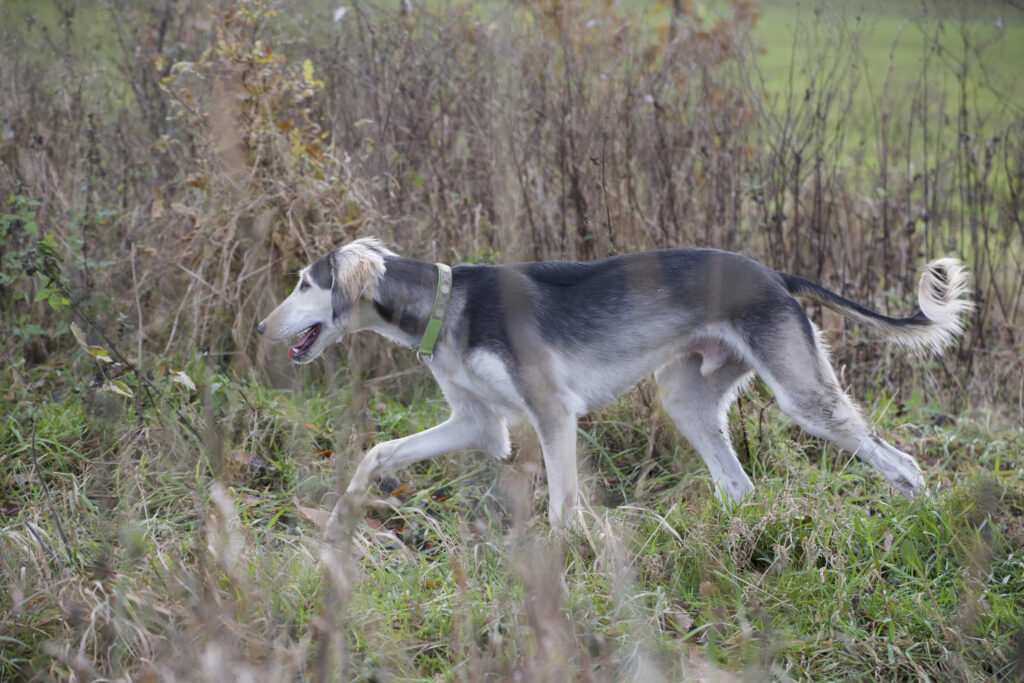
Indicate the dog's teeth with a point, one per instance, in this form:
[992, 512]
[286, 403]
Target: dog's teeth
[309, 335]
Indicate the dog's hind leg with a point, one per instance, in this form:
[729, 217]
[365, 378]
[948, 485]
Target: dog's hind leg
[557, 433]
[791, 361]
[699, 404]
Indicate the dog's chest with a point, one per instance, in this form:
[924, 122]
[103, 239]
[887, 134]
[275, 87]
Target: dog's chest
[483, 378]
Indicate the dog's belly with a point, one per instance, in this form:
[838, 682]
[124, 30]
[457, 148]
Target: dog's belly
[594, 385]
[578, 382]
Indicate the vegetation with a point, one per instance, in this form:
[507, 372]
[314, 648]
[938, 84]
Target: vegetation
[163, 172]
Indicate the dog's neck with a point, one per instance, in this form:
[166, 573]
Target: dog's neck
[404, 299]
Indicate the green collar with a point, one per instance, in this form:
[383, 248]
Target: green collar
[444, 293]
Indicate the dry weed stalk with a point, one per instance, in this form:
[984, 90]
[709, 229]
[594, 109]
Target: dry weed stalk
[186, 184]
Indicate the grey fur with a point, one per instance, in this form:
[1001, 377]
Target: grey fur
[545, 343]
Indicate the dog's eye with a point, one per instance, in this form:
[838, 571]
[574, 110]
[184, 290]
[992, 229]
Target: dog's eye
[303, 286]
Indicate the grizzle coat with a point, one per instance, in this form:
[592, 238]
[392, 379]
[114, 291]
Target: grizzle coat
[548, 342]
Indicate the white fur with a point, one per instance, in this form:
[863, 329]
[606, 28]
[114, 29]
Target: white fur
[700, 365]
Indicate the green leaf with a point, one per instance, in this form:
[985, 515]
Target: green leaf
[99, 353]
[307, 71]
[56, 301]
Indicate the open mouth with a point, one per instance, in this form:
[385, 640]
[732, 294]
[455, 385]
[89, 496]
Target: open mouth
[309, 336]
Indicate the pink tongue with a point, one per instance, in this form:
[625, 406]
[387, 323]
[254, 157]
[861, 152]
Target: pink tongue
[302, 344]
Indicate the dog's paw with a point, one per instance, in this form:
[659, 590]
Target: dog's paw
[912, 485]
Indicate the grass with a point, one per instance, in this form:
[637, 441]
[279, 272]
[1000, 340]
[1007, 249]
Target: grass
[893, 44]
[893, 39]
[885, 51]
[193, 544]
[191, 560]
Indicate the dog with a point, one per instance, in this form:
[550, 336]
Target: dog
[547, 342]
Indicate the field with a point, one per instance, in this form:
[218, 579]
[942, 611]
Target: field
[164, 171]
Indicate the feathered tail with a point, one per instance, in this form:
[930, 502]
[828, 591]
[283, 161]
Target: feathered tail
[935, 327]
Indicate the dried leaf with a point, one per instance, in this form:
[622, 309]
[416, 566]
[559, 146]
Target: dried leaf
[79, 335]
[402, 491]
[253, 461]
[9, 509]
[97, 352]
[116, 386]
[183, 210]
[250, 499]
[184, 380]
[317, 516]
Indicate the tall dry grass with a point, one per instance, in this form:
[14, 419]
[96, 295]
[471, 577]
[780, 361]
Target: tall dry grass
[566, 130]
[186, 167]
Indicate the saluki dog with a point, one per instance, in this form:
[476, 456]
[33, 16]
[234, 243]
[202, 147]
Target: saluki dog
[548, 342]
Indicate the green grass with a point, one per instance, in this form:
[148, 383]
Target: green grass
[192, 559]
[200, 558]
[881, 52]
[894, 40]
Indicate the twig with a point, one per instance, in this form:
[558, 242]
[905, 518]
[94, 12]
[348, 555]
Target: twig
[49, 502]
[47, 548]
[743, 426]
[143, 382]
[138, 355]
[604, 191]
[1020, 397]
[393, 375]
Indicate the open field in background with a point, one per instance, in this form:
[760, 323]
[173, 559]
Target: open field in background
[896, 41]
[163, 476]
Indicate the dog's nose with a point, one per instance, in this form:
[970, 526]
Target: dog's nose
[261, 327]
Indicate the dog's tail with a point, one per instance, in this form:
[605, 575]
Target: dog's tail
[936, 326]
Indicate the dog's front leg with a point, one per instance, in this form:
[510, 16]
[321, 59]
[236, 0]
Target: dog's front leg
[458, 433]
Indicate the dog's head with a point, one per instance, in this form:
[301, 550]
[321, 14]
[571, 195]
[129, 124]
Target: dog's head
[324, 305]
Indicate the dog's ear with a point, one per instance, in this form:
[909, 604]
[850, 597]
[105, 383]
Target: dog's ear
[357, 269]
[339, 300]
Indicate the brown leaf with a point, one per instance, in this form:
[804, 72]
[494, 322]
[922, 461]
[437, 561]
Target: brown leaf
[317, 516]
[250, 499]
[183, 210]
[252, 461]
[402, 491]
[24, 479]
